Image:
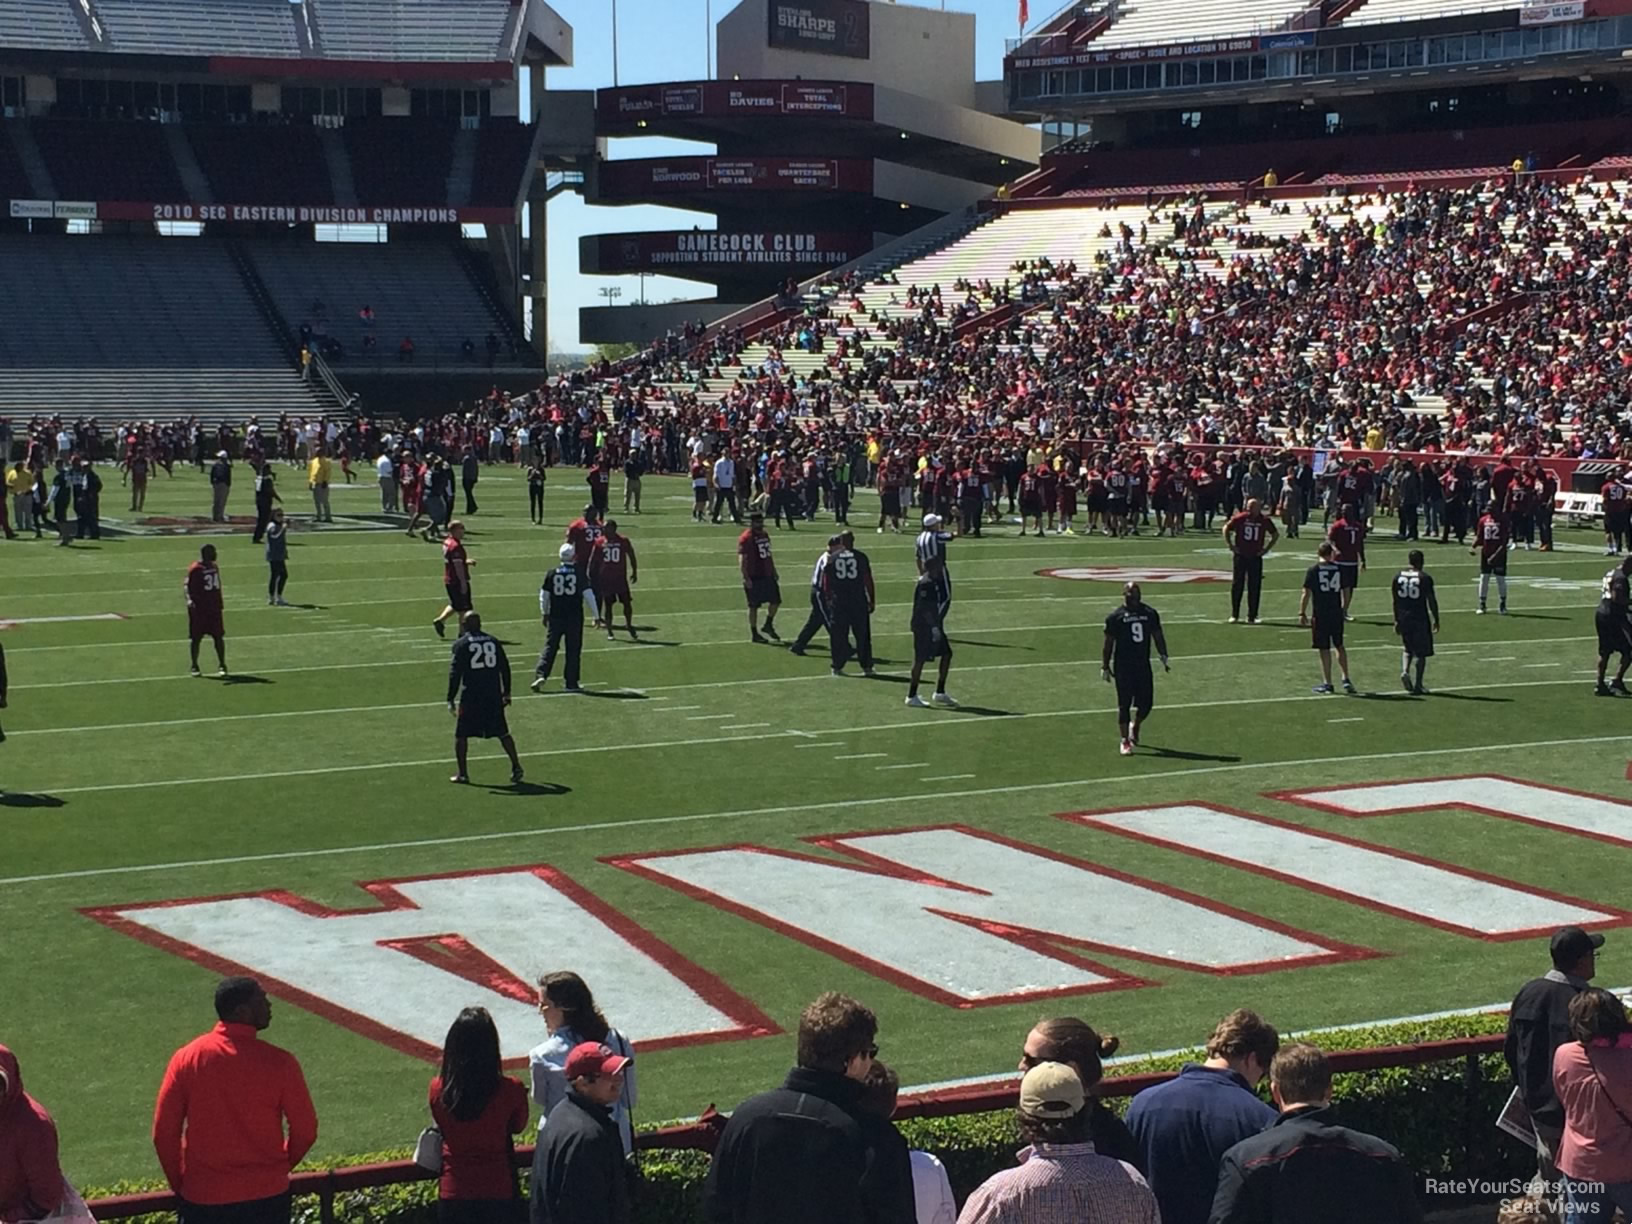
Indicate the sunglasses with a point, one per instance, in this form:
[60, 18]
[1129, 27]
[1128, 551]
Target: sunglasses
[871, 1051]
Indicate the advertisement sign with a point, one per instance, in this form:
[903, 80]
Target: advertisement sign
[290, 214]
[714, 249]
[626, 107]
[828, 27]
[36, 209]
[1550, 14]
[1169, 51]
[74, 210]
[687, 175]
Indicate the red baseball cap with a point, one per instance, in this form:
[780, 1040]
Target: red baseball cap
[592, 1058]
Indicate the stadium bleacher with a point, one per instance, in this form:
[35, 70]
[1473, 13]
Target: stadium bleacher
[269, 164]
[412, 29]
[502, 149]
[136, 326]
[417, 289]
[92, 160]
[200, 27]
[1170, 21]
[1372, 11]
[41, 25]
[399, 161]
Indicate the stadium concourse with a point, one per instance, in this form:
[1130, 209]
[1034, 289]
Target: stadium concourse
[723, 827]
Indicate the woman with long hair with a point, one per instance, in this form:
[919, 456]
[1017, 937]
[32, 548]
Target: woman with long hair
[1593, 1078]
[1068, 1040]
[571, 1017]
[477, 1108]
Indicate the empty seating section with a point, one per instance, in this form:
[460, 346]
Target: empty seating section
[1145, 22]
[1416, 10]
[399, 161]
[262, 165]
[92, 160]
[1171, 169]
[105, 324]
[416, 289]
[41, 25]
[412, 29]
[200, 27]
[502, 150]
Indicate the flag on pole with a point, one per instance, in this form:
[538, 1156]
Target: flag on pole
[1025, 15]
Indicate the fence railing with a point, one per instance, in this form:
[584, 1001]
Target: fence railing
[701, 1135]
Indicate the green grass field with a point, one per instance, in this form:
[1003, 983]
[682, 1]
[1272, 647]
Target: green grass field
[325, 764]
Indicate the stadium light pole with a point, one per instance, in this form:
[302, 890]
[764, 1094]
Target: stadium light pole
[614, 44]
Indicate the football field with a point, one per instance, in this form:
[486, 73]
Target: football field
[719, 830]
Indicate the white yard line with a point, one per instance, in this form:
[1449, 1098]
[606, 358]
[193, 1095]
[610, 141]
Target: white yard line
[1139, 780]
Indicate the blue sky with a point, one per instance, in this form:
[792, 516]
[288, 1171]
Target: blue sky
[664, 40]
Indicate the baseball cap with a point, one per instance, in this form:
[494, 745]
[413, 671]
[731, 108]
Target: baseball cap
[594, 1058]
[931, 521]
[1571, 943]
[568, 552]
[220, 454]
[1049, 1090]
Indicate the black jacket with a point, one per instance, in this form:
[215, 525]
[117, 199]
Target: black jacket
[794, 1155]
[1537, 1024]
[1111, 1136]
[579, 1176]
[1307, 1168]
[886, 1186]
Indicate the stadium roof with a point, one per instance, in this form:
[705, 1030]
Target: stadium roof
[390, 31]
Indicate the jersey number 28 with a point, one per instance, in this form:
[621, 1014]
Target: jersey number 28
[483, 654]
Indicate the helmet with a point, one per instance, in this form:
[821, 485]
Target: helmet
[568, 552]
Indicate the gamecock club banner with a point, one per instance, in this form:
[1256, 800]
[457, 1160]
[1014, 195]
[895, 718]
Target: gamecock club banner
[716, 249]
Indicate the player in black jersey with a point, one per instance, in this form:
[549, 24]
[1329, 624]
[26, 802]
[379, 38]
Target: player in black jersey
[851, 599]
[1416, 620]
[1324, 584]
[561, 606]
[1614, 623]
[1129, 632]
[929, 641]
[479, 667]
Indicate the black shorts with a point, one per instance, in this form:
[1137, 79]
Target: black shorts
[1328, 635]
[1497, 567]
[763, 591]
[699, 494]
[484, 720]
[1135, 690]
[1031, 506]
[927, 644]
[1117, 506]
[458, 600]
[889, 503]
[1348, 573]
[1417, 638]
[1614, 633]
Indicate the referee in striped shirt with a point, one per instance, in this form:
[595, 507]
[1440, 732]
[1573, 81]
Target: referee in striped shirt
[820, 614]
[931, 553]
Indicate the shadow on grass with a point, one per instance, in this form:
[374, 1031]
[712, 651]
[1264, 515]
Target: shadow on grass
[989, 645]
[19, 800]
[1178, 754]
[615, 695]
[983, 711]
[524, 788]
[1470, 697]
[241, 678]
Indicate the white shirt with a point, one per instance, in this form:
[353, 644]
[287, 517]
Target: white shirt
[384, 467]
[931, 1190]
[816, 574]
[725, 473]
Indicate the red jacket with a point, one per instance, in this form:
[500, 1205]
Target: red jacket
[476, 1153]
[231, 1093]
[30, 1178]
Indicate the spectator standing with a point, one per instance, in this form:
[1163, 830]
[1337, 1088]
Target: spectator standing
[318, 473]
[535, 491]
[1306, 1167]
[220, 486]
[277, 559]
[797, 1154]
[20, 489]
[87, 489]
[1184, 1127]
[219, 1123]
[1538, 1023]
[570, 1015]
[1061, 1177]
[725, 488]
[1407, 497]
[634, 467]
[266, 493]
[580, 1174]
[31, 1182]
[1073, 1042]
[470, 471]
[62, 497]
[477, 1108]
[387, 472]
[1592, 1075]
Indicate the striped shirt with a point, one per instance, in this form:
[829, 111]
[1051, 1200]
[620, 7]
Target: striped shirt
[1064, 1183]
[816, 574]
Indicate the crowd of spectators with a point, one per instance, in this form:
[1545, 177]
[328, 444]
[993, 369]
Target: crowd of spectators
[234, 1116]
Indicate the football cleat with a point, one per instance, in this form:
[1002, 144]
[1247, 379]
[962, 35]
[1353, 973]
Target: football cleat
[574, 689]
[538, 684]
[441, 630]
[516, 774]
[1253, 620]
[1234, 620]
[918, 703]
[195, 673]
[1348, 685]
[1480, 611]
[1127, 748]
[944, 699]
[1324, 688]
[460, 779]
[1405, 682]
[771, 633]
[1603, 690]
[796, 649]
[1420, 690]
[1502, 611]
[836, 671]
[221, 672]
[1619, 686]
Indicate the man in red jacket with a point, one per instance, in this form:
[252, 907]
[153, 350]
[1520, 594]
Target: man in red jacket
[31, 1185]
[219, 1123]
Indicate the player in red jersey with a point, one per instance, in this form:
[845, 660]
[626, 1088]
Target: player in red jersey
[583, 534]
[759, 577]
[1066, 496]
[1492, 540]
[455, 577]
[1117, 486]
[203, 593]
[1348, 537]
[1617, 501]
[699, 489]
[612, 568]
[1249, 535]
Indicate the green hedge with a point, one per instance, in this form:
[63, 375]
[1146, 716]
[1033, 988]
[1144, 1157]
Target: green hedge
[1421, 1110]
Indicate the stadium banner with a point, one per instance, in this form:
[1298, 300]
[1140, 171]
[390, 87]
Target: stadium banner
[724, 99]
[31, 209]
[1167, 51]
[74, 210]
[690, 175]
[295, 214]
[706, 249]
[827, 27]
[1551, 14]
